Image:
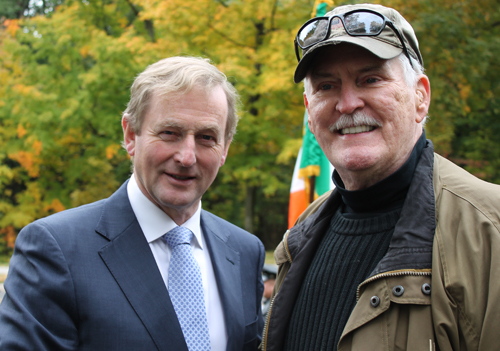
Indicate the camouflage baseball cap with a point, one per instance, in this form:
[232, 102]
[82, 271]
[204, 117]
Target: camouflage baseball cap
[385, 45]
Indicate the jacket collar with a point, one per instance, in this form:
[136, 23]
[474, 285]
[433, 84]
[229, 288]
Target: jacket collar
[411, 244]
[226, 263]
[130, 261]
[132, 265]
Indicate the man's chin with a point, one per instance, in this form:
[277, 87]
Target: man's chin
[356, 159]
[178, 202]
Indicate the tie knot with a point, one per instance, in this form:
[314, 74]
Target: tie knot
[178, 236]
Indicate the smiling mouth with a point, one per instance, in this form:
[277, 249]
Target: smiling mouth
[356, 130]
[178, 177]
[355, 123]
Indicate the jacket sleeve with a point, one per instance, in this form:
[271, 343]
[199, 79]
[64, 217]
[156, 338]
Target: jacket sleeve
[39, 310]
[465, 274]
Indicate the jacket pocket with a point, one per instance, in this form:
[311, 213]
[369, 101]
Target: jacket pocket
[392, 313]
[251, 331]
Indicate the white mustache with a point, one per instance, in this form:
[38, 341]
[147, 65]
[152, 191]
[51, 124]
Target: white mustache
[356, 119]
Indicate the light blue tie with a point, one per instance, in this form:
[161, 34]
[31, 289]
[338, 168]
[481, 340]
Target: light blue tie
[185, 288]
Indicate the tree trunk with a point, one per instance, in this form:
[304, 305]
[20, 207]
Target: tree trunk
[249, 207]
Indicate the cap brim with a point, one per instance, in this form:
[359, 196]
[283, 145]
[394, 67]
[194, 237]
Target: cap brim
[373, 44]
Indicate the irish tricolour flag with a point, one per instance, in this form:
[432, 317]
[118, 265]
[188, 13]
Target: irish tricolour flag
[312, 172]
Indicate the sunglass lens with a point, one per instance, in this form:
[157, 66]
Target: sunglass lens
[363, 23]
[313, 32]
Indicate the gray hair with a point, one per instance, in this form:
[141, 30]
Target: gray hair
[411, 73]
[179, 75]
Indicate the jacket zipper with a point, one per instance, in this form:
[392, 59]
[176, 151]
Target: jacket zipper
[266, 325]
[269, 311]
[369, 280]
[392, 274]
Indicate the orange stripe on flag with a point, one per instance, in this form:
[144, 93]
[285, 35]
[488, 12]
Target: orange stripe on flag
[298, 197]
[298, 204]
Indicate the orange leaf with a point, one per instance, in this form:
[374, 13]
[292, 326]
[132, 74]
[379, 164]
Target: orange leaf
[37, 145]
[9, 235]
[11, 26]
[20, 131]
[112, 150]
[55, 206]
[26, 160]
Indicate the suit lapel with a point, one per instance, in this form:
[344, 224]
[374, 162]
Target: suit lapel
[226, 263]
[131, 263]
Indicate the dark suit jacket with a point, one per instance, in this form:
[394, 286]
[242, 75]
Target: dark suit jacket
[85, 279]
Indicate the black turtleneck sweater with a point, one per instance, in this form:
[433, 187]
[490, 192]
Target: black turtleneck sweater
[356, 240]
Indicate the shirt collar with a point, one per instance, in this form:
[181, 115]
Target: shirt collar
[154, 222]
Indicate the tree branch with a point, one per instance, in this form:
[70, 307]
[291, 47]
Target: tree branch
[222, 3]
[273, 14]
[227, 38]
[148, 24]
[132, 6]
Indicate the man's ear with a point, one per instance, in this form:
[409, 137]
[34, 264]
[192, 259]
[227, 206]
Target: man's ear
[306, 103]
[423, 97]
[128, 135]
[224, 155]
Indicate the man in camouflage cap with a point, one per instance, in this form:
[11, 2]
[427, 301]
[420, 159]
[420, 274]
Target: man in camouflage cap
[404, 253]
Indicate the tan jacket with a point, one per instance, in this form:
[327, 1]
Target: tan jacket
[437, 288]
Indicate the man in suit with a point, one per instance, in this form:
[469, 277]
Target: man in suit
[105, 276]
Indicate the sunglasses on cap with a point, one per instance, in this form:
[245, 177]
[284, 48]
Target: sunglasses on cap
[356, 23]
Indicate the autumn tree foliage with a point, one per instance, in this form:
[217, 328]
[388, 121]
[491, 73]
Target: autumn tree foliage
[460, 44]
[66, 68]
[66, 80]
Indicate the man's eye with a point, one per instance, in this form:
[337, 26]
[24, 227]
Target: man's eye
[207, 137]
[326, 87]
[168, 135]
[372, 80]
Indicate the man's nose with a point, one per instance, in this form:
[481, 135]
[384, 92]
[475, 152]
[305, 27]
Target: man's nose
[349, 100]
[186, 154]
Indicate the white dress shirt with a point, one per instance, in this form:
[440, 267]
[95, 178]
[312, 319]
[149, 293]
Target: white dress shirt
[155, 223]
